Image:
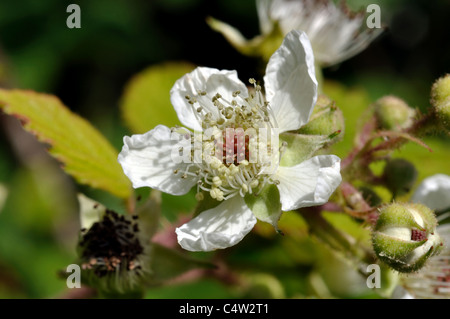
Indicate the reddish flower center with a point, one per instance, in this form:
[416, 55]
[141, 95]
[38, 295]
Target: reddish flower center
[418, 235]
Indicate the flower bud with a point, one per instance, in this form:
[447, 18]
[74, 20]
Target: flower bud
[399, 176]
[326, 119]
[440, 98]
[405, 236]
[262, 286]
[393, 113]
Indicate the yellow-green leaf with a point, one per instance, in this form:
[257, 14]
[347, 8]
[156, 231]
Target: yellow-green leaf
[146, 100]
[81, 148]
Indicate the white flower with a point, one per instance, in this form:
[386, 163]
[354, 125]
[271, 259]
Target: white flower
[434, 192]
[214, 101]
[336, 34]
[433, 281]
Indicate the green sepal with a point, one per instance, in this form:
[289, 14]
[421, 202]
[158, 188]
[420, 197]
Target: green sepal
[428, 216]
[266, 206]
[393, 248]
[405, 267]
[326, 119]
[396, 215]
[300, 147]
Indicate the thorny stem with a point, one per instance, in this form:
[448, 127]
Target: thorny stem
[364, 153]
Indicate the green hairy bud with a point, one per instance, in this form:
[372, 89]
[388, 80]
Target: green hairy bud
[399, 176]
[440, 98]
[326, 119]
[405, 236]
[393, 113]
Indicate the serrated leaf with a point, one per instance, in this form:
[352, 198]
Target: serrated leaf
[146, 100]
[81, 148]
[266, 206]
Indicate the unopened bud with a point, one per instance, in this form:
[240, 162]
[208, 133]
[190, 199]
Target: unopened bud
[440, 98]
[262, 286]
[326, 119]
[393, 113]
[399, 176]
[370, 196]
[405, 236]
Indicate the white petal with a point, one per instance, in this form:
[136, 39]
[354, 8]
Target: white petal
[290, 82]
[210, 80]
[147, 159]
[309, 183]
[220, 227]
[434, 192]
[90, 211]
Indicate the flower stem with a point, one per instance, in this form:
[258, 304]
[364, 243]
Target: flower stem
[337, 240]
[319, 77]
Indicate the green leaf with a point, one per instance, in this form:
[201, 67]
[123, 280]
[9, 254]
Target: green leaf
[266, 206]
[300, 147]
[168, 264]
[82, 149]
[146, 100]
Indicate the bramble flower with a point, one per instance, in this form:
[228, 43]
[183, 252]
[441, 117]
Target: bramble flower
[234, 157]
[434, 192]
[336, 34]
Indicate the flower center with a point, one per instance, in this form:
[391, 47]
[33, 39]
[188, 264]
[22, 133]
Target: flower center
[418, 235]
[238, 146]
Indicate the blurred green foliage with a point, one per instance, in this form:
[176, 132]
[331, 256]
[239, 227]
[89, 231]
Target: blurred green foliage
[89, 69]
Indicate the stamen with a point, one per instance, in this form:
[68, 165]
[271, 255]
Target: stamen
[230, 172]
